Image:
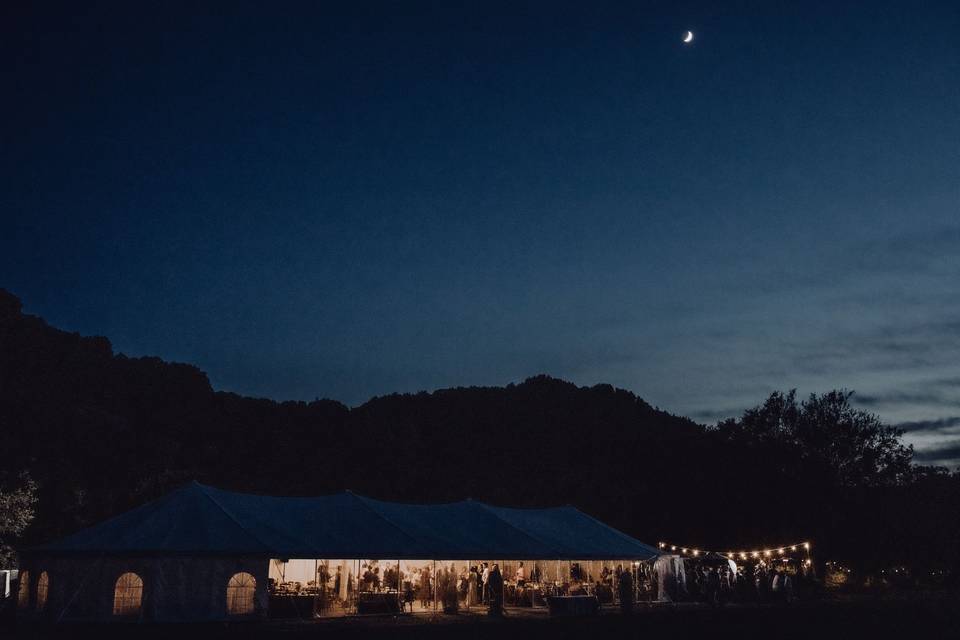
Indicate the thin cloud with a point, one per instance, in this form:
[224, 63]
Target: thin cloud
[948, 454]
[941, 425]
[901, 398]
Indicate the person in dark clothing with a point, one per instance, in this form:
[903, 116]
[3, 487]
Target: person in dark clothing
[426, 588]
[479, 571]
[495, 592]
[625, 591]
[763, 584]
[713, 587]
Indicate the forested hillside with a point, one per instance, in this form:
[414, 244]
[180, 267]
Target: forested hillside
[100, 432]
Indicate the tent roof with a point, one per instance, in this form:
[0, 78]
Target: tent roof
[201, 520]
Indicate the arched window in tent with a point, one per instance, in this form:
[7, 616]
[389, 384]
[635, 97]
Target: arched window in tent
[240, 594]
[23, 590]
[128, 595]
[43, 586]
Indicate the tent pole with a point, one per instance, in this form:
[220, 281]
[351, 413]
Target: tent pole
[434, 587]
[399, 585]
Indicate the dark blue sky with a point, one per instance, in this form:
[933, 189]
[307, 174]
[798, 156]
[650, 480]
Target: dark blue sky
[317, 201]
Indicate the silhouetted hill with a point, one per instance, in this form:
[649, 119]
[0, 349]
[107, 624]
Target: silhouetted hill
[102, 432]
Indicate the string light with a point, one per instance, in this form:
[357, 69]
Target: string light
[758, 553]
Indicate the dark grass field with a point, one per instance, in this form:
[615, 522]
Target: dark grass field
[911, 618]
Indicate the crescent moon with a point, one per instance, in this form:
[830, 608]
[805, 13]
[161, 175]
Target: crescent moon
[688, 37]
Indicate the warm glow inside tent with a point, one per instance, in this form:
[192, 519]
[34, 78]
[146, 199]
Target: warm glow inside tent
[205, 553]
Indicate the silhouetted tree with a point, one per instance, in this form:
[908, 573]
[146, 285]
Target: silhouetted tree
[824, 437]
[18, 501]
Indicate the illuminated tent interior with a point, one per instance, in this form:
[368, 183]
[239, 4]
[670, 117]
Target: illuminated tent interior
[201, 553]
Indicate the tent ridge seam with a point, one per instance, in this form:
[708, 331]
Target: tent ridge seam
[362, 500]
[627, 537]
[237, 522]
[496, 515]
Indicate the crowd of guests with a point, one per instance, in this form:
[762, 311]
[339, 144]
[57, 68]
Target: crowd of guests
[483, 584]
[762, 583]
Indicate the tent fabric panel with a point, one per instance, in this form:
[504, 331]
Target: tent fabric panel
[201, 520]
[184, 521]
[329, 526]
[460, 530]
[574, 534]
[181, 589]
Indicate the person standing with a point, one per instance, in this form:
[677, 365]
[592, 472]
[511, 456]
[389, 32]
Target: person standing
[479, 570]
[519, 576]
[713, 587]
[472, 578]
[625, 591]
[485, 581]
[426, 588]
[495, 592]
[776, 586]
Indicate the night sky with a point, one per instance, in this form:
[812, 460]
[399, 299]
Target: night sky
[312, 201]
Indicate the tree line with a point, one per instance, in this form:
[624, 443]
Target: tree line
[87, 433]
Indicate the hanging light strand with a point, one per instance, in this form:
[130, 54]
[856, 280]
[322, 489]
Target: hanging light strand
[753, 553]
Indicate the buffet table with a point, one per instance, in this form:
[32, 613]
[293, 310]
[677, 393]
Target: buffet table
[573, 606]
[374, 603]
[292, 606]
